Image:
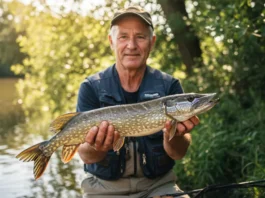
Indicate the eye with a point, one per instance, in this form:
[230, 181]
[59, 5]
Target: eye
[123, 37]
[190, 99]
[141, 37]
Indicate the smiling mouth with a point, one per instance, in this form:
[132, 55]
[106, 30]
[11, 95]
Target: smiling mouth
[132, 54]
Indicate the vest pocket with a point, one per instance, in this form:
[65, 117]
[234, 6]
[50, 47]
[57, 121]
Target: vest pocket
[154, 160]
[110, 168]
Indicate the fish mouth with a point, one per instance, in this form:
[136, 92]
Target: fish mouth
[215, 100]
[211, 103]
[207, 101]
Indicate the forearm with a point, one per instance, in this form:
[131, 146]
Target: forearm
[89, 155]
[177, 147]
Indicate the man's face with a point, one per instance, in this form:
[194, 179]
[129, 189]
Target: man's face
[131, 42]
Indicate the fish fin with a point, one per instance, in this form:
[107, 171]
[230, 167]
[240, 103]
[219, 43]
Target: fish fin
[34, 153]
[60, 121]
[68, 152]
[173, 129]
[118, 144]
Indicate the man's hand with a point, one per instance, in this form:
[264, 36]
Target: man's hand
[102, 137]
[98, 141]
[183, 127]
[177, 147]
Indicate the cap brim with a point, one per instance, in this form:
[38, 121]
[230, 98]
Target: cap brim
[129, 13]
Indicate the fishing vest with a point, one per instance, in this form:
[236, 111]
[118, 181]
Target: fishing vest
[154, 161]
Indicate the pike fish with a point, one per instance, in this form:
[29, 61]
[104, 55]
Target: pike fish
[131, 120]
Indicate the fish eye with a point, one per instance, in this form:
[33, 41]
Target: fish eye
[190, 99]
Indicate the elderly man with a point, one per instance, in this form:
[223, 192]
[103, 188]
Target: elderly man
[143, 166]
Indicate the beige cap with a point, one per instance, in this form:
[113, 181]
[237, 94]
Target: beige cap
[133, 10]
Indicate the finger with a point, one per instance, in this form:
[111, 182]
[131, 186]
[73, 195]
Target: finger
[166, 134]
[195, 120]
[181, 129]
[168, 125]
[188, 125]
[91, 135]
[116, 136]
[109, 138]
[102, 132]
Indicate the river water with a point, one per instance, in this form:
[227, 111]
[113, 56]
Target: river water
[18, 133]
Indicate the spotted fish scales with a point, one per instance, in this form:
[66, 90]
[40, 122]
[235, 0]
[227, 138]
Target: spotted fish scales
[131, 120]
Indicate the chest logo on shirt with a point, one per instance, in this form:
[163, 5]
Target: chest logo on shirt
[151, 96]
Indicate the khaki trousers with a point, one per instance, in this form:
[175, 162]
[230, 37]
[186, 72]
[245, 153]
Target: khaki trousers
[130, 187]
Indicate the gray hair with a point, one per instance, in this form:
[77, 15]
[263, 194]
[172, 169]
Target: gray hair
[113, 31]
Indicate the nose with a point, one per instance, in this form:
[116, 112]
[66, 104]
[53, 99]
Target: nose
[131, 43]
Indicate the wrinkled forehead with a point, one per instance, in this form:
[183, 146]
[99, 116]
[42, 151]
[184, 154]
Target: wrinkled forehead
[131, 24]
[131, 31]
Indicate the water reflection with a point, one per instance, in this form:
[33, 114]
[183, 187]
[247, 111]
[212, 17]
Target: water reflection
[16, 177]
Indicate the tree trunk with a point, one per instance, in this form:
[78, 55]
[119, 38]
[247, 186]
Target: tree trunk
[187, 41]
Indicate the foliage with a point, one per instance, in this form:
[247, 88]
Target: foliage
[227, 147]
[9, 49]
[62, 51]
[232, 34]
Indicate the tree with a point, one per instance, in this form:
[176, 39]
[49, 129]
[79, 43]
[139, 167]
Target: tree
[62, 50]
[232, 37]
[184, 35]
[9, 49]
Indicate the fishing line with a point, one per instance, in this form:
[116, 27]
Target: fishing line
[201, 192]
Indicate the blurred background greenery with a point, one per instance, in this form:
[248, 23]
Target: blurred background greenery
[48, 48]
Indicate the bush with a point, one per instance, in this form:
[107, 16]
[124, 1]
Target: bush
[228, 146]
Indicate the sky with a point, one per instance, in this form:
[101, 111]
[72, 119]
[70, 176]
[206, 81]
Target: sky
[69, 4]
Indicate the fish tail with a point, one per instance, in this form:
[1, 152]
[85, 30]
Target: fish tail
[34, 153]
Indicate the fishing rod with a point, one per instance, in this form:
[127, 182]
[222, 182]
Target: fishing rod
[201, 192]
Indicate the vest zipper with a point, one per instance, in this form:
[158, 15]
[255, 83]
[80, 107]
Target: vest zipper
[144, 158]
[134, 155]
[127, 151]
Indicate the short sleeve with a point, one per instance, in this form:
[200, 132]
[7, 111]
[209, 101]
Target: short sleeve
[87, 98]
[175, 87]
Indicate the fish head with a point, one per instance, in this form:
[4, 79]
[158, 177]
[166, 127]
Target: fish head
[185, 106]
